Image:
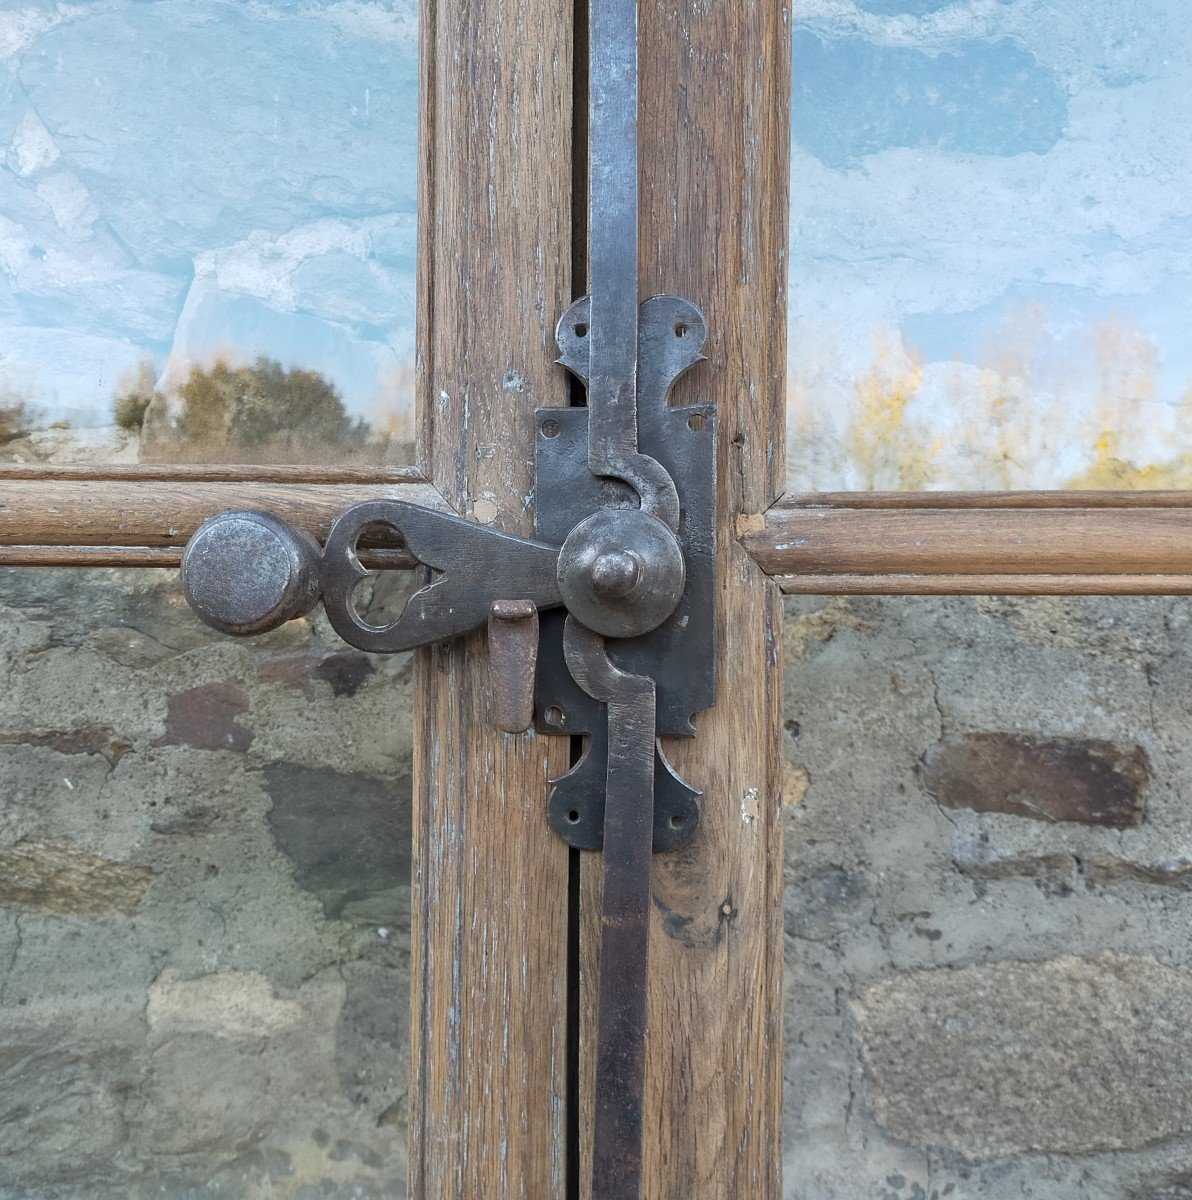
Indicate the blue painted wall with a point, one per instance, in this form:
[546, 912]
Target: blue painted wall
[182, 179]
[991, 271]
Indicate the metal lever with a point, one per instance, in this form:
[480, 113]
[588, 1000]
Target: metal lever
[249, 572]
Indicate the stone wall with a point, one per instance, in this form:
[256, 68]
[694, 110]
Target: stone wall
[989, 926]
[204, 902]
[204, 865]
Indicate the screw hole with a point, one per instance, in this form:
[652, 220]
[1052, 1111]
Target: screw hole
[550, 429]
[680, 329]
[554, 715]
[696, 422]
[573, 816]
[581, 330]
[676, 821]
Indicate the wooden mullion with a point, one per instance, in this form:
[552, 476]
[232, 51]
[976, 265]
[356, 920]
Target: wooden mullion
[985, 585]
[1029, 543]
[164, 510]
[715, 136]
[488, 1054]
[795, 502]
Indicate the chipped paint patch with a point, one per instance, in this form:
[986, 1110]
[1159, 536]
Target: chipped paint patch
[751, 805]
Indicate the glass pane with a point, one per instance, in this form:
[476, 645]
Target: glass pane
[204, 900]
[207, 231]
[991, 241]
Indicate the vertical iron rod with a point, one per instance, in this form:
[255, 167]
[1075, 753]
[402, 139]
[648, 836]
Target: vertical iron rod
[612, 234]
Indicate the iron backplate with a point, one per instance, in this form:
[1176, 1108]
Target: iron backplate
[680, 655]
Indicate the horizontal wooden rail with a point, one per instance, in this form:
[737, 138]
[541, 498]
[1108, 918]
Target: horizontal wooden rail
[379, 559]
[1000, 543]
[206, 473]
[862, 543]
[143, 516]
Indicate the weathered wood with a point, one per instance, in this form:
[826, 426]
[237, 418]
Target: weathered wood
[157, 556]
[949, 500]
[207, 473]
[165, 511]
[714, 156]
[488, 1047]
[1104, 541]
[985, 585]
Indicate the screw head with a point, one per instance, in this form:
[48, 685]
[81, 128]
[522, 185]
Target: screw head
[247, 572]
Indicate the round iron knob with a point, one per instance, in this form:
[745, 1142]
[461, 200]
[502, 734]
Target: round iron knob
[248, 572]
[621, 572]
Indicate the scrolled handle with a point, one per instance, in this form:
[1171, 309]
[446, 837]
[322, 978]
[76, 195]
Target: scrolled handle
[478, 565]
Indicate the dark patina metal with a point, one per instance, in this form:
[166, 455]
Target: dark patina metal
[512, 660]
[248, 572]
[478, 565]
[625, 913]
[680, 654]
[621, 572]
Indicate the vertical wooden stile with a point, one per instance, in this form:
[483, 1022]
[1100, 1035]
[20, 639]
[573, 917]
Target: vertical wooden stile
[489, 913]
[715, 94]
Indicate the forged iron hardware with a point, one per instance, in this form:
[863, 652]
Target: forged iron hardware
[625, 552]
[621, 572]
[247, 572]
[513, 659]
[680, 654]
[623, 650]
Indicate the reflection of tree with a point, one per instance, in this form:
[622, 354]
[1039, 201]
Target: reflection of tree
[1040, 404]
[16, 418]
[136, 394]
[887, 447]
[260, 413]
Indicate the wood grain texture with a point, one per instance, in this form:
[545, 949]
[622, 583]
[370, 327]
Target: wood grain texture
[1101, 541]
[488, 1051]
[985, 585]
[208, 473]
[950, 500]
[165, 512]
[714, 154]
[158, 556]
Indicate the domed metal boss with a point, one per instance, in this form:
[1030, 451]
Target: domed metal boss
[621, 572]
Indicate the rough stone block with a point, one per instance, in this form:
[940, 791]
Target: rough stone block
[54, 877]
[1048, 779]
[1066, 1056]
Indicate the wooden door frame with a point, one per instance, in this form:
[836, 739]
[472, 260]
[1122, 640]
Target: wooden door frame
[504, 916]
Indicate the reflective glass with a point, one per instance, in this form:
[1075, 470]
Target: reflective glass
[207, 230]
[991, 255]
